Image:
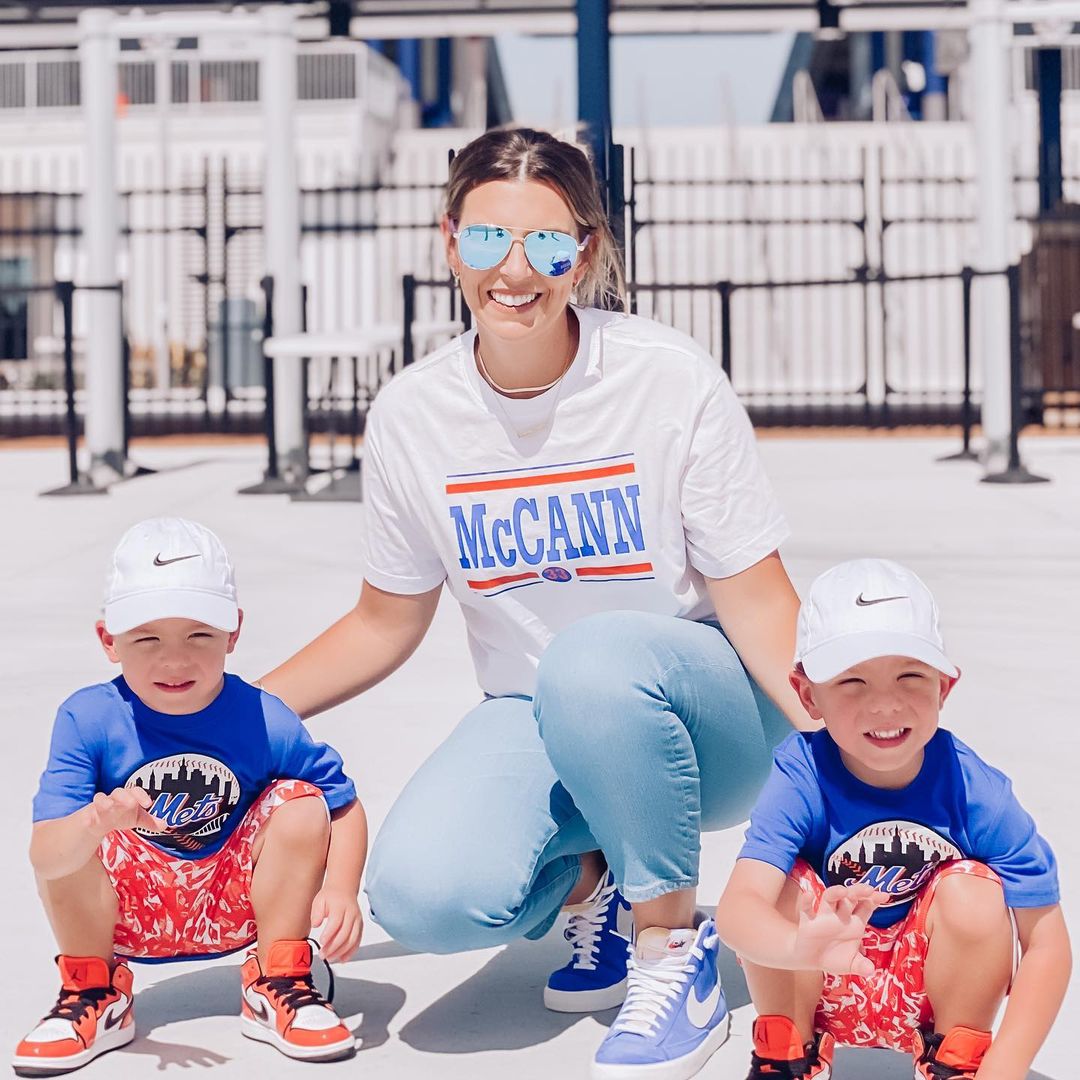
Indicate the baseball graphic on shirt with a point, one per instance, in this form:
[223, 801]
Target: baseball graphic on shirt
[192, 794]
[895, 857]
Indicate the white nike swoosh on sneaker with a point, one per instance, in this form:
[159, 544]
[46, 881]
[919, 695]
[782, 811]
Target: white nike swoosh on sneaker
[699, 1013]
[624, 923]
[258, 1005]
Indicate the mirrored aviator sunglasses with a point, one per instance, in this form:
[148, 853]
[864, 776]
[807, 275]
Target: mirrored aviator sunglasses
[549, 252]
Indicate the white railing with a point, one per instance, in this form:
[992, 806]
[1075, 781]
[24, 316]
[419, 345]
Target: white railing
[46, 81]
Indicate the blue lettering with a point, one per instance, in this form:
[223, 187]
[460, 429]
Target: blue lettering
[623, 517]
[521, 507]
[165, 808]
[587, 523]
[559, 531]
[884, 879]
[206, 807]
[471, 538]
[502, 525]
[182, 817]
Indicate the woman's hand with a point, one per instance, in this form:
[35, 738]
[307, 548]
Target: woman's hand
[342, 923]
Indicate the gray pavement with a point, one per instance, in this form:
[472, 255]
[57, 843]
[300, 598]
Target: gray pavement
[1004, 563]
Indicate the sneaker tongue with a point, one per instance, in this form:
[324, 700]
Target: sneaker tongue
[656, 944]
[777, 1038]
[288, 959]
[83, 972]
[963, 1048]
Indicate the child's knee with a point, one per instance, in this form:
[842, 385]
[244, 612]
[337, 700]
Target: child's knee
[300, 821]
[968, 906]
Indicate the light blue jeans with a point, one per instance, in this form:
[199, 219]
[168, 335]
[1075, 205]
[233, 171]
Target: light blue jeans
[645, 729]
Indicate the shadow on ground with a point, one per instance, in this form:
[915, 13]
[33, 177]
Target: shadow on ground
[215, 991]
[501, 1007]
[853, 1064]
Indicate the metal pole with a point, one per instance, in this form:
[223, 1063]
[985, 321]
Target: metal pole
[104, 375]
[594, 81]
[965, 453]
[1014, 472]
[76, 485]
[64, 292]
[281, 213]
[1048, 69]
[989, 36]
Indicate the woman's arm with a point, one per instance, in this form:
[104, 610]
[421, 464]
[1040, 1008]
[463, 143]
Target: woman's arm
[358, 651]
[1036, 995]
[758, 609]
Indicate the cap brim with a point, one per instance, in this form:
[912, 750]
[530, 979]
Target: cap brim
[832, 657]
[127, 612]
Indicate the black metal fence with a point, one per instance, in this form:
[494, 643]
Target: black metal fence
[835, 299]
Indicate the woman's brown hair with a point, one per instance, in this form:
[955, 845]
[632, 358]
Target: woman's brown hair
[527, 154]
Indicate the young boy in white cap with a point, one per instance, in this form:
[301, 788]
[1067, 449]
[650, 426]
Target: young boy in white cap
[874, 899]
[184, 813]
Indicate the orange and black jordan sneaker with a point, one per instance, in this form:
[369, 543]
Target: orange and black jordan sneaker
[92, 1015]
[956, 1055]
[780, 1054]
[281, 1006]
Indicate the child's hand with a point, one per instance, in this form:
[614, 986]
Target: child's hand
[830, 938]
[342, 923]
[123, 808]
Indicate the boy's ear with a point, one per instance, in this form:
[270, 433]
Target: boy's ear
[236, 633]
[108, 641]
[947, 683]
[804, 688]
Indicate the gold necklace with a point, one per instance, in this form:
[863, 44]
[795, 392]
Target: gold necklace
[521, 389]
[501, 391]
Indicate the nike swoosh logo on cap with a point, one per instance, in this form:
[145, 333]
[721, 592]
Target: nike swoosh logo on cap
[861, 600]
[159, 561]
[699, 1013]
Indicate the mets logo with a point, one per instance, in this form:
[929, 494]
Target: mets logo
[556, 573]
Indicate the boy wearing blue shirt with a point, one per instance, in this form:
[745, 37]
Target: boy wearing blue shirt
[184, 813]
[874, 900]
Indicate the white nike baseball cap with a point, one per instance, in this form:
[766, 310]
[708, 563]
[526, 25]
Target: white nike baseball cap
[864, 609]
[170, 568]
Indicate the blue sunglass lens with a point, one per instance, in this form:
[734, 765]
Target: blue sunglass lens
[483, 246]
[551, 253]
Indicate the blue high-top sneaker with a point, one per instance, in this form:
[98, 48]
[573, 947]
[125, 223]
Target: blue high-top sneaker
[599, 931]
[674, 1016]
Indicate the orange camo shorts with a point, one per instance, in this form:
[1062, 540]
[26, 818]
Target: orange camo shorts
[172, 908]
[887, 1008]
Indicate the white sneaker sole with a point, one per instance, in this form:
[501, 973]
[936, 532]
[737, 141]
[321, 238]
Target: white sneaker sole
[680, 1069]
[106, 1041]
[585, 1001]
[330, 1052]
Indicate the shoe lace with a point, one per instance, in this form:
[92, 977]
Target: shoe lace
[73, 1005]
[779, 1070]
[584, 929]
[651, 988]
[296, 991]
[936, 1068]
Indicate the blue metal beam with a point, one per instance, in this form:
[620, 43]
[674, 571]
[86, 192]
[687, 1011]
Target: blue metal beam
[1048, 71]
[594, 80]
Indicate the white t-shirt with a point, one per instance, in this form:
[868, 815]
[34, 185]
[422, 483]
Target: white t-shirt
[618, 489]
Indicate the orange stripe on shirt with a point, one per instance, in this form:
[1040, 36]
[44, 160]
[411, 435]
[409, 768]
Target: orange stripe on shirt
[536, 481]
[499, 581]
[604, 571]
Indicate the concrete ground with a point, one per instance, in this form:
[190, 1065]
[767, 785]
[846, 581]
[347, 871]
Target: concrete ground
[1004, 563]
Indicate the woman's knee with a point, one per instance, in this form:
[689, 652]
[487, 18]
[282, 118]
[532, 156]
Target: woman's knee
[436, 907]
[595, 670]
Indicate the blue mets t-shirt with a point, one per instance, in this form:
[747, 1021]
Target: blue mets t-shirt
[203, 770]
[958, 807]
